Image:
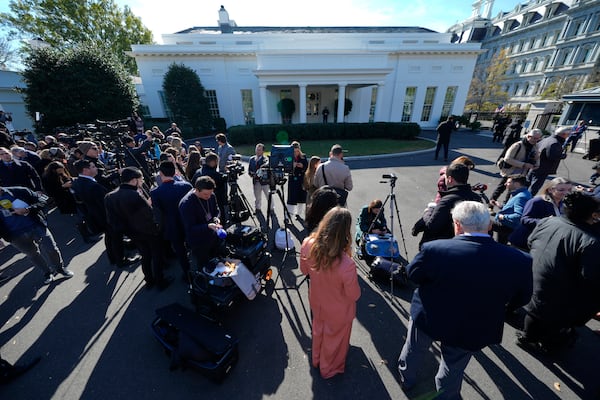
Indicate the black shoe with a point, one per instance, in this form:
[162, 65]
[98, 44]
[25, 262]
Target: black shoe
[126, 262]
[9, 373]
[67, 273]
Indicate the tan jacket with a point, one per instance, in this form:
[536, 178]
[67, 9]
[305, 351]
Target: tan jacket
[516, 156]
[337, 172]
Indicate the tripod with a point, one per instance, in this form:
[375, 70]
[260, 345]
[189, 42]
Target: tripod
[274, 190]
[391, 197]
[239, 207]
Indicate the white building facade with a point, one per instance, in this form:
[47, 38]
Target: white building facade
[548, 42]
[12, 101]
[389, 73]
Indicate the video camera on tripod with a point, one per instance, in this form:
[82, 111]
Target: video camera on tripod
[280, 163]
[234, 168]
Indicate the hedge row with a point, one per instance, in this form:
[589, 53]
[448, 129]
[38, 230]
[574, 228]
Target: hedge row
[250, 134]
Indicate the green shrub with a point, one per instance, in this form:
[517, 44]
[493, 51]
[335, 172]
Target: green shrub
[250, 134]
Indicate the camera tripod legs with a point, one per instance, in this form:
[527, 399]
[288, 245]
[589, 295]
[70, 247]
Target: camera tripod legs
[235, 195]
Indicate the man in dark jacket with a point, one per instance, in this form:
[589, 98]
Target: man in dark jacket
[136, 156]
[89, 196]
[444, 131]
[551, 153]
[465, 286]
[130, 213]
[438, 222]
[200, 216]
[104, 177]
[165, 203]
[566, 275]
[23, 224]
[18, 173]
[210, 169]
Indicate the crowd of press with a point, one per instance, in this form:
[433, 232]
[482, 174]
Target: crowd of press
[543, 258]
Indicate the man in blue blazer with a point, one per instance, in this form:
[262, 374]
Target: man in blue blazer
[465, 285]
[165, 204]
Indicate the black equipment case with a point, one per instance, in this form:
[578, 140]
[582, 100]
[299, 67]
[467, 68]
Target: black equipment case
[385, 269]
[246, 243]
[192, 340]
[594, 149]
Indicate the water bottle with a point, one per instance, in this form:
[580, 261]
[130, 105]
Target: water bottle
[221, 233]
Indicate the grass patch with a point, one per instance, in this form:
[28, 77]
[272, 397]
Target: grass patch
[355, 147]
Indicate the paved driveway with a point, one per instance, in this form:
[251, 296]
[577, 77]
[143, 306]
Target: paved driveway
[93, 331]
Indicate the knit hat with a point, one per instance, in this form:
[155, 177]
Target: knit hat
[85, 146]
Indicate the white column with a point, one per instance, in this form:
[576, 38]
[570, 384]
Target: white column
[302, 103]
[264, 115]
[341, 102]
[379, 103]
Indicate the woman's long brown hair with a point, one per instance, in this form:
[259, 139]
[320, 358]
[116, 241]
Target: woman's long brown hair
[332, 238]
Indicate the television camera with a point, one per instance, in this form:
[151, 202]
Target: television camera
[234, 168]
[280, 163]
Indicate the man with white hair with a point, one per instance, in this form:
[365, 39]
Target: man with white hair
[551, 150]
[465, 285]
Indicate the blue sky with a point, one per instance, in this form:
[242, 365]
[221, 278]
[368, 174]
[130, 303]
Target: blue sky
[170, 16]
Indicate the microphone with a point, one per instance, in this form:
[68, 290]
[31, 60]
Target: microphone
[482, 187]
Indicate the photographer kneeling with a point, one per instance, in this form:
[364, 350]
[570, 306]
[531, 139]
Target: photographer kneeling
[371, 220]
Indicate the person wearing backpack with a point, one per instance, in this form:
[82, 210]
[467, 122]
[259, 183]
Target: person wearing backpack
[520, 158]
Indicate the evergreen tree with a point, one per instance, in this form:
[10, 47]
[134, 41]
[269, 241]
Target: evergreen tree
[185, 98]
[79, 85]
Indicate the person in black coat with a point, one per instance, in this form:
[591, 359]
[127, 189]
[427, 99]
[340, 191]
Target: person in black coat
[551, 153]
[210, 169]
[58, 182]
[296, 195]
[444, 131]
[130, 213]
[18, 173]
[105, 177]
[466, 284]
[165, 204]
[512, 135]
[200, 216]
[89, 196]
[437, 222]
[566, 275]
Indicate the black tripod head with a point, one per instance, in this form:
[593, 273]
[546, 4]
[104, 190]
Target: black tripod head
[391, 179]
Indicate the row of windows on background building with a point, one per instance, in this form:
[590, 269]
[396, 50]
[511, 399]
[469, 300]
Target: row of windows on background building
[211, 96]
[313, 106]
[575, 27]
[547, 39]
[409, 103]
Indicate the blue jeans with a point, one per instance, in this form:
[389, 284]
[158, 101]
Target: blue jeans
[38, 244]
[453, 362]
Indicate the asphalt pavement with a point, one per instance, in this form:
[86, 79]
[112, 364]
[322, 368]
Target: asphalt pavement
[93, 331]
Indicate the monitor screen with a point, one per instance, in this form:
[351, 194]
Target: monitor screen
[282, 157]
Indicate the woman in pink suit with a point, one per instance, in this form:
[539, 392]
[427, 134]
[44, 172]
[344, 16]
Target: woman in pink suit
[325, 258]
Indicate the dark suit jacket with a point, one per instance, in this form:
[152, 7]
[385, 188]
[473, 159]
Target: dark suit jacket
[90, 202]
[20, 173]
[465, 284]
[165, 204]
